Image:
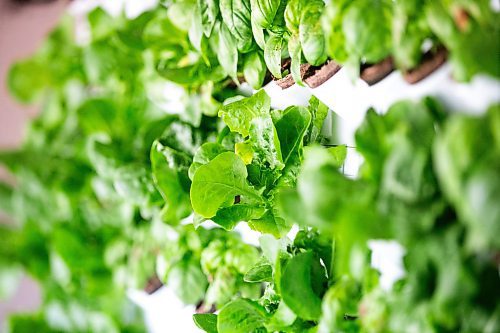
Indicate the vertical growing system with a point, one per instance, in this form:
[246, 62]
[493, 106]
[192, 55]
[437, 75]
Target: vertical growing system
[162, 131]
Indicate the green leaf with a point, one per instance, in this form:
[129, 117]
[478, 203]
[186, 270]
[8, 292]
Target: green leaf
[27, 79]
[191, 75]
[466, 169]
[222, 288]
[272, 54]
[229, 217]
[251, 117]
[339, 153]
[291, 128]
[160, 33]
[6, 196]
[241, 257]
[311, 35]
[318, 111]
[133, 182]
[265, 143]
[261, 272]
[228, 52]
[212, 256]
[332, 21]
[241, 316]
[283, 317]
[368, 36]
[409, 31]
[341, 299]
[239, 115]
[20, 323]
[206, 321]
[101, 24]
[245, 151]
[264, 11]
[209, 10]
[258, 33]
[296, 288]
[293, 13]
[98, 116]
[169, 169]
[195, 32]
[207, 152]
[188, 281]
[254, 69]
[236, 16]
[270, 224]
[217, 183]
[295, 51]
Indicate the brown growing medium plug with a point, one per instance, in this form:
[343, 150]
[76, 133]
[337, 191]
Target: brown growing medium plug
[315, 76]
[153, 285]
[286, 81]
[431, 61]
[374, 73]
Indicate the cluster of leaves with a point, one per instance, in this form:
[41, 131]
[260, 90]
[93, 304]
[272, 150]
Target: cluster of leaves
[368, 31]
[241, 183]
[430, 183]
[246, 36]
[115, 165]
[101, 180]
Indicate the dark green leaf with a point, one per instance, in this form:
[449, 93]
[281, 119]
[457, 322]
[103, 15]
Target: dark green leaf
[296, 288]
[291, 128]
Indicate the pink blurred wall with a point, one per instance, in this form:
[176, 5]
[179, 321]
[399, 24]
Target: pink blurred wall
[22, 29]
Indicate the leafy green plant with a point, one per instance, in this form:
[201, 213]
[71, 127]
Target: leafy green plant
[115, 183]
[241, 185]
[302, 19]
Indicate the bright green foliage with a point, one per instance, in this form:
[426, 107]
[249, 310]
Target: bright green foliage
[367, 36]
[206, 321]
[369, 31]
[414, 188]
[241, 316]
[114, 165]
[241, 186]
[217, 183]
[297, 290]
[476, 37]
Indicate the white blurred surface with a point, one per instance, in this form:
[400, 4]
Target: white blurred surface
[283, 98]
[387, 258]
[164, 312]
[350, 100]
